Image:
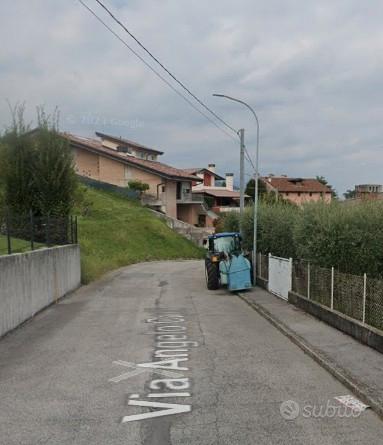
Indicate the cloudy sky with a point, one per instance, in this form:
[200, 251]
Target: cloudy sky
[312, 70]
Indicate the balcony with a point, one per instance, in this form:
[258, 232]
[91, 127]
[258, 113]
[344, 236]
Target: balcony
[151, 200]
[225, 209]
[190, 198]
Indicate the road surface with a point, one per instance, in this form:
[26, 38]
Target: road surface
[149, 356]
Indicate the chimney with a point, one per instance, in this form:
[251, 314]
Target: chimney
[230, 181]
[211, 168]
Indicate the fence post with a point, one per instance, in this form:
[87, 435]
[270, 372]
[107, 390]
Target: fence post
[291, 274]
[364, 297]
[332, 288]
[308, 281]
[7, 224]
[32, 234]
[76, 229]
[259, 264]
[47, 230]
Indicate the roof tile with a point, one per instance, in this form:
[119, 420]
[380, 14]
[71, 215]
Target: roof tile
[284, 184]
[154, 166]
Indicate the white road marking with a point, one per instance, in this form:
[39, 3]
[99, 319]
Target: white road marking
[166, 409]
[169, 394]
[352, 402]
[137, 369]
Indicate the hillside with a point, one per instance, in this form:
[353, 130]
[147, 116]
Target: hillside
[117, 232]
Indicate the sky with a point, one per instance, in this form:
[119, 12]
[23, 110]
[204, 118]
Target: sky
[313, 71]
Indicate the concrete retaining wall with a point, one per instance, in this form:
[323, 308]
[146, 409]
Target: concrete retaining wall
[365, 334]
[31, 281]
[192, 233]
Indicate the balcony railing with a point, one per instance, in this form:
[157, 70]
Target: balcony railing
[196, 198]
[223, 209]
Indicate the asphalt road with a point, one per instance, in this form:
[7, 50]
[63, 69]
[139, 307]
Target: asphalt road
[82, 372]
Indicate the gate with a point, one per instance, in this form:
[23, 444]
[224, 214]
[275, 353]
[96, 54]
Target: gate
[280, 273]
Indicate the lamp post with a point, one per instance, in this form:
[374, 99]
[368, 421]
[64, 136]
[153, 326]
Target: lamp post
[256, 176]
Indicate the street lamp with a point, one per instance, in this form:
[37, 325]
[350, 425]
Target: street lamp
[256, 176]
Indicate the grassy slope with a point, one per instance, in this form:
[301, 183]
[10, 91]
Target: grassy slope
[118, 232]
[18, 245]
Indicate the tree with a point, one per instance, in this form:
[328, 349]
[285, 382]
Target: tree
[324, 181]
[139, 186]
[54, 176]
[18, 163]
[263, 195]
[38, 166]
[250, 188]
[349, 194]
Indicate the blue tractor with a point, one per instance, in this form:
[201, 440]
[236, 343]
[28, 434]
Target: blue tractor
[226, 264]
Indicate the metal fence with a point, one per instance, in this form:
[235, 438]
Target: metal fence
[356, 296]
[19, 233]
[263, 266]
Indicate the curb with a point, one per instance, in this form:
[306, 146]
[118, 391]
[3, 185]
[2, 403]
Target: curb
[362, 391]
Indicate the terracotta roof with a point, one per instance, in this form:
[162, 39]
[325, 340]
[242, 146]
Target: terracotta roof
[158, 168]
[194, 171]
[128, 142]
[284, 184]
[222, 193]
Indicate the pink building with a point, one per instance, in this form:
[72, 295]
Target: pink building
[218, 192]
[298, 190]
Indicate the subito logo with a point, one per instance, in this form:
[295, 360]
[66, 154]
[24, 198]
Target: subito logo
[289, 410]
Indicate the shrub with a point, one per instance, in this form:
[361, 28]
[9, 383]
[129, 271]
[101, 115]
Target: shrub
[275, 228]
[37, 167]
[139, 186]
[231, 221]
[54, 176]
[348, 237]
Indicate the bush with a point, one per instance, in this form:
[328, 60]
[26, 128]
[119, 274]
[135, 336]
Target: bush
[139, 186]
[348, 237]
[231, 222]
[37, 167]
[275, 228]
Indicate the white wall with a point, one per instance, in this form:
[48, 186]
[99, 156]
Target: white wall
[31, 281]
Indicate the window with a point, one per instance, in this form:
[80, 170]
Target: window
[311, 193]
[226, 244]
[124, 149]
[207, 179]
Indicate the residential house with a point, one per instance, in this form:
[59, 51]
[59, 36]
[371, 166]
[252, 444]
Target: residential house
[117, 160]
[298, 190]
[218, 192]
[369, 191]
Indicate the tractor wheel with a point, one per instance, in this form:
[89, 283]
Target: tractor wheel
[212, 275]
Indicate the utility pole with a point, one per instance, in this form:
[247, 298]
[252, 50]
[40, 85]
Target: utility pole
[256, 175]
[242, 172]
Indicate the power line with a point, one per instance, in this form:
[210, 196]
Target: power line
[164, 67]
[154, 70]
[248, 158]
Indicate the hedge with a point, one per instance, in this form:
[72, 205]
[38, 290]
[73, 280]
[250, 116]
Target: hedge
[348, 237]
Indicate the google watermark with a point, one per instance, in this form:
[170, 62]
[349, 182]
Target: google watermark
[347, 407]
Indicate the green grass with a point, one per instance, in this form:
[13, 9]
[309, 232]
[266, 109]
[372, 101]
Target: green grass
[118, 232]
[17, 245]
